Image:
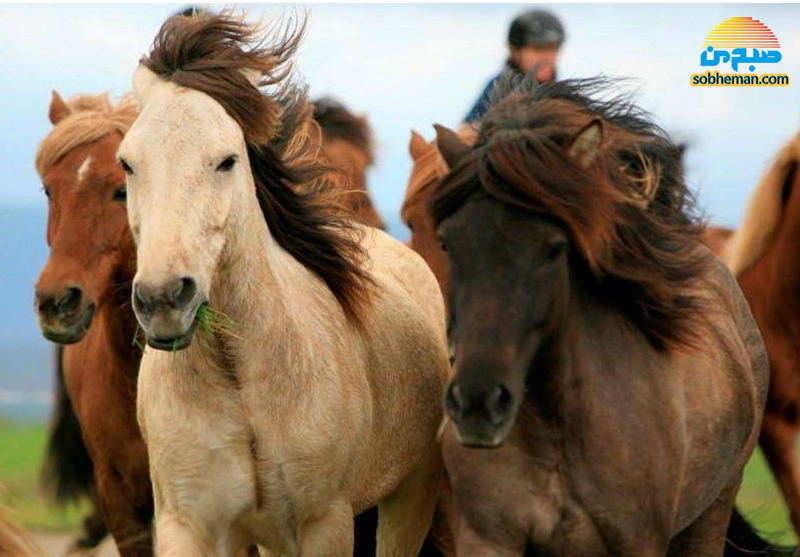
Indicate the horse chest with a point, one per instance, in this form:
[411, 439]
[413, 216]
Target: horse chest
[234, 449]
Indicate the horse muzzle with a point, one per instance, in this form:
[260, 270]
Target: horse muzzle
[482, 416]
[64, 315]
[168, 312]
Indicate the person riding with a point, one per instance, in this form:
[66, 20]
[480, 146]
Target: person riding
[534, 40]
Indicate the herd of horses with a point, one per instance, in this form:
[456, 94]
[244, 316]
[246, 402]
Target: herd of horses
[556, 364]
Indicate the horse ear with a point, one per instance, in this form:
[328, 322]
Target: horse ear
[143, 81]
[58, 109]
[452, 147]
[417, 146]
[586, 145]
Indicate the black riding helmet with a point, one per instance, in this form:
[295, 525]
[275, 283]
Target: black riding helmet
[536, 28]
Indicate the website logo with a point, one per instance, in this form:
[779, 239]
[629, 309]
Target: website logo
[729, 43]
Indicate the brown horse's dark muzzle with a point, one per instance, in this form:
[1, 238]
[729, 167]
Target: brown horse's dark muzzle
[64, 314]
[167, 312]
[483, 414]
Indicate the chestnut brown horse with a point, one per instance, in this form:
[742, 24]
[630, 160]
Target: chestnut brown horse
[83, 301]
[609, 377]
[428, 168]
[347, 143]
[764, 255]
[67, 474]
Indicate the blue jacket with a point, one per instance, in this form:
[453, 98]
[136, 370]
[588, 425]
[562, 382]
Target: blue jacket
[482, 104]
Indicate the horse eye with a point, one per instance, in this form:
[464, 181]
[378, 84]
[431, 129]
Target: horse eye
[125, 166]
[46, 192]
[410, 226]
[555, 250]
[121, 194]
[227, 164]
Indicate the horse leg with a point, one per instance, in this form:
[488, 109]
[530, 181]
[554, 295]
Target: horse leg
[330, 534]
[706, 535]
[128, 523]
[94, 526]
[405, 516]
[778, 442]
[176, 537]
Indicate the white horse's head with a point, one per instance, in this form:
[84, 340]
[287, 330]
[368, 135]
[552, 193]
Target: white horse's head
[208, 150]
[187, 166]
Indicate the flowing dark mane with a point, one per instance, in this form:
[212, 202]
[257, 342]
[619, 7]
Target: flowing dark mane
[214, 54]
[337, 122]
[630, 216]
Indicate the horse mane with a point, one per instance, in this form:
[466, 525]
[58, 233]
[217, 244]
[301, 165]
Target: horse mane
[629, 215]
[763, 214]
[337, 122]
[219, 55]
[91, 117]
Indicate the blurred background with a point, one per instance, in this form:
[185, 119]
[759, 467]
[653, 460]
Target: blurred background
[402, 66]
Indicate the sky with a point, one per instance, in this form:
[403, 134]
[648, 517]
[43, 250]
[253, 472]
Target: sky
[409, 66]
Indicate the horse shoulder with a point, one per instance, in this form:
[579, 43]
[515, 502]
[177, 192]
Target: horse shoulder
[402, 275]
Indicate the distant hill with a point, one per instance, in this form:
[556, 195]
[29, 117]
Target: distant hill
[25, 357]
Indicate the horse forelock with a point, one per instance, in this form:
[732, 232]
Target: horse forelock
[91, 118]
[628, 215]
[763, 213]
[221, 55]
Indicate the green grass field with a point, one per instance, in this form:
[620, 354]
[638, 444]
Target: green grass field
[21, 452]
[22, 449]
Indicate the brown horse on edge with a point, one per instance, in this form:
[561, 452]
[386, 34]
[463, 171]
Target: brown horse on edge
[763, 255]
[347, 142]
[83, 301]
[623, 399]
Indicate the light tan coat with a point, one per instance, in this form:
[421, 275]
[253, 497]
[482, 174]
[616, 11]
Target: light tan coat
[277, 432]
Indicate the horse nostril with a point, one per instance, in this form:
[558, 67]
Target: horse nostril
[498, 404]
[69, 301]
[184, 291]
[454, 402]
[177, 294]
[141, 298]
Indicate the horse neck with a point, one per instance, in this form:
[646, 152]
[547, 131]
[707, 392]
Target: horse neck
[253, 275]
[569, 356]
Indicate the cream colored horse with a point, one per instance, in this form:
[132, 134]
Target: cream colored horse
[277, 431]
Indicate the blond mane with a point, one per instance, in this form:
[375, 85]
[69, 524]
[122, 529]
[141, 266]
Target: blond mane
[426, 169]
[763, 214]
[91, 117]
[428, 165]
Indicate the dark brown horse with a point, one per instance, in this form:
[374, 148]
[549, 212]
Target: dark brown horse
[764, 255]
[606, 358]
[347, 143]
[83, 301]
